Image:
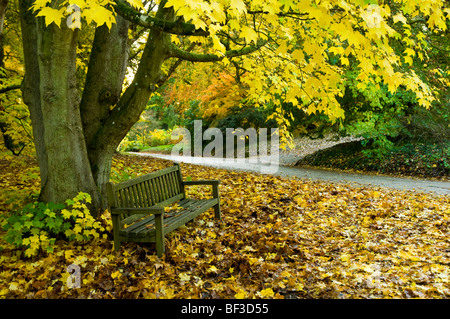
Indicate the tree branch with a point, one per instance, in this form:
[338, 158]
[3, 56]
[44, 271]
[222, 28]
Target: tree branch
[10, 88]
[176, 52]
[107, 67]
[146, 21]
[289, 14]
[174, 66]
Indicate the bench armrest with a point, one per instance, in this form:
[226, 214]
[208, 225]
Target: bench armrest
[156, 210]
[201, 182]
[214, 183]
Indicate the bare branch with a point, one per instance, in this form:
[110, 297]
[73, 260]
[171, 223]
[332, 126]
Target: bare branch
[290, 14]
[175, 51]
[174, 66]
[173, 27]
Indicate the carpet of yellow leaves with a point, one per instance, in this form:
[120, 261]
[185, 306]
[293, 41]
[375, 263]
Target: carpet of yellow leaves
[278, 238]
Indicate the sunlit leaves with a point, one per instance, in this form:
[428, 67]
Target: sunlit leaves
[136, 4]
[97, 11]
[310, 44]
[98, 14]
[52, 15]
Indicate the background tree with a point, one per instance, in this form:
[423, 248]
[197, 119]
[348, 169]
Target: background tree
[15, 129]
[77, 131]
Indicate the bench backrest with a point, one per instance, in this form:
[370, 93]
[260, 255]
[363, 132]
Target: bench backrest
[162, 187]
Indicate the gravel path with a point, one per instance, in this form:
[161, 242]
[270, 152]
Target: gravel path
[266, 167]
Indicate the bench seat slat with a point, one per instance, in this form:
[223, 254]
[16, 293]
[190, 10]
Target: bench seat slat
[131, 220]
[191, 209]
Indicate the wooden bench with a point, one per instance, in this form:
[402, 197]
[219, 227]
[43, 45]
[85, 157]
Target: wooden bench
[139, 204]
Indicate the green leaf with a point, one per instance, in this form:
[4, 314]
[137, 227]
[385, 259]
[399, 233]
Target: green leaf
[50, 213]
[70, 202]
[28, 224]
[50, 222]
[17, 226]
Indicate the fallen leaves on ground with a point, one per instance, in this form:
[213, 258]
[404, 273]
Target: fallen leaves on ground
[278, 238]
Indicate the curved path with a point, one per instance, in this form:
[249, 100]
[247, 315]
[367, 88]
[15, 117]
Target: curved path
[267, 167]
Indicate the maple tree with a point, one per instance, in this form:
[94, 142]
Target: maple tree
[216, 91]
[15, 129]
[284, 46]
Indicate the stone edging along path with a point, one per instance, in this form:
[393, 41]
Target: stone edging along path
[413, 184]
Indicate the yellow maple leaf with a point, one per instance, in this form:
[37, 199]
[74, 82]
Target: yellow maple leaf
[337, 50]
[4, 291]
[249, 34]
[13, 286]
[39, 4]
[217, 13]
[30, 251]
[77, 229]
[240, 295]
[344, 61]
[408, 60]
[213, 269]
[239, 6]
[409, 51]
[184, 277]
[136, 3]
[266, 293]
[218, 46]
[43, 237]
[80, 260]
[68, 254]
[99, 14]
[52, 15]
[116, 274]
[66, 214]
[399, 17]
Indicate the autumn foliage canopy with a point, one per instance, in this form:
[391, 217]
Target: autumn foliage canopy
[296, 50]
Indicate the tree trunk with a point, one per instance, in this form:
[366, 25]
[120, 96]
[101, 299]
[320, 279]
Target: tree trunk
[104, 80]
[65, 146]
[53, 101]
[128, 109]
[76, 137]
[30, 89]
[126, 112]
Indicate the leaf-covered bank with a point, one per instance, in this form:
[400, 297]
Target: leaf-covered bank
[424, 160]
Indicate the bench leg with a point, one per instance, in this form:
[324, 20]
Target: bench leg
[217, 207]
[116, 229]
[217, 214]
[116, 245]
[159, 235]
